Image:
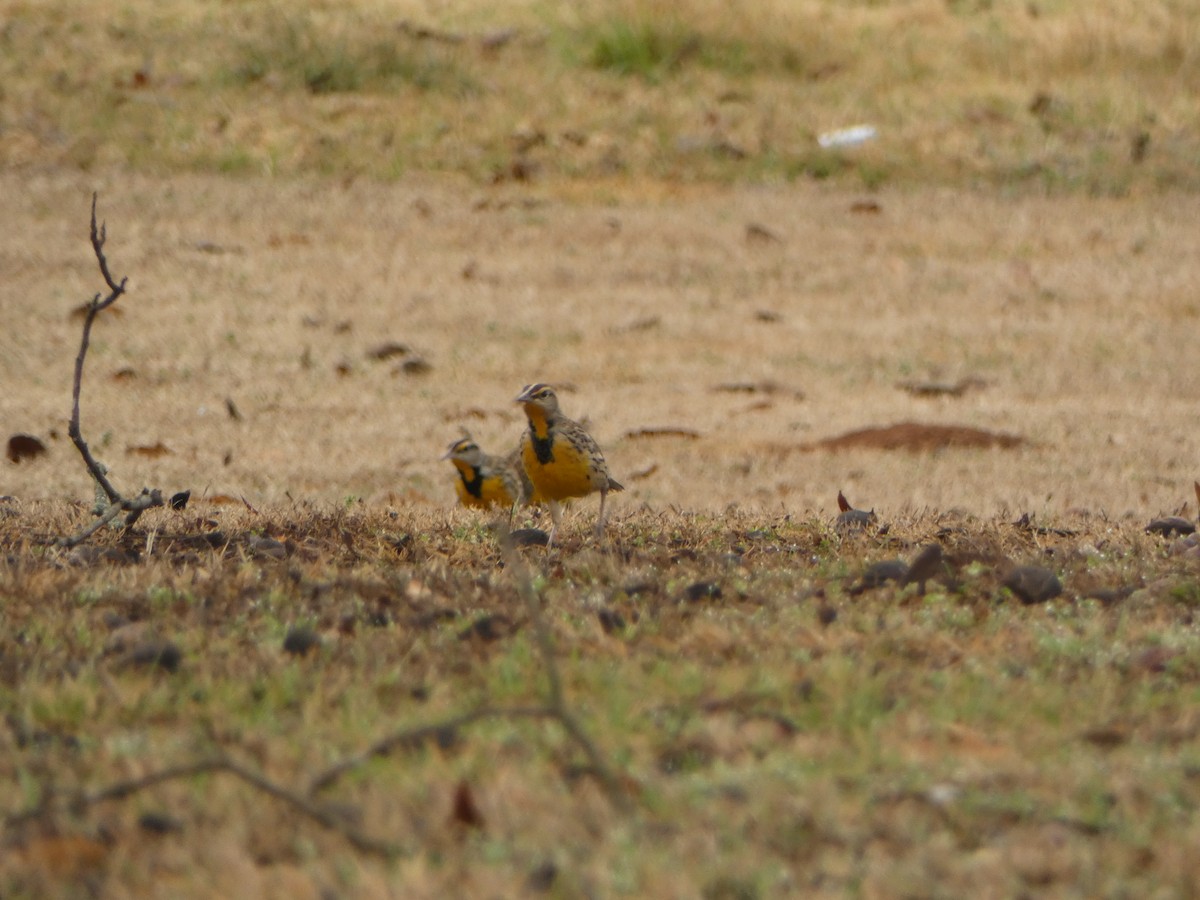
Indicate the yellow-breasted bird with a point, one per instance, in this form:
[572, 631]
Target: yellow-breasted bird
[485, 480]
[560, 458]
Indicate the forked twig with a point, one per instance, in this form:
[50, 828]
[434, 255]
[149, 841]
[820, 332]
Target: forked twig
[147, 499]
[99, 234]
[116, 503]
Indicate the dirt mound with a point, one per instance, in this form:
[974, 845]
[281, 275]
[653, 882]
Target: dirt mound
[917, 438]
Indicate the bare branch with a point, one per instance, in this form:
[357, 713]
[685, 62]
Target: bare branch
[99, 236]
[554, 708]
[408, 737]
[135, 507]
[121, 789]
[555, 699]
[115, 502]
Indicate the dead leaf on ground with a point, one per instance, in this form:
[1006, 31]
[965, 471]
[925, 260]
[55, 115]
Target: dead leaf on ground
[942, 388]
[152, 654]
[150, 451]
[415, 366]
[663, 431]
[917, 437]
[761, 234]
[1153, 659]
[24, 446]
[464, 812]
[126, 373]
[870, 207]
[768, 387]
[67, 856]
[645, 323]
[293, 240]
[81, 311]
[389, 349]
[1106, 736]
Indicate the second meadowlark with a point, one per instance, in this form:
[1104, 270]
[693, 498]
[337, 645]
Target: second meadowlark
[485, 480]
[560, 457]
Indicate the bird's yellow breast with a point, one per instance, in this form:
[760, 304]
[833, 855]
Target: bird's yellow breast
[481, 491]
[567, 474]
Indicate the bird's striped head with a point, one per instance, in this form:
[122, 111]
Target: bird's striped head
[539, 396]
[465, 450]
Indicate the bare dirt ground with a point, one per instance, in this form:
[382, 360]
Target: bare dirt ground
[745, 324]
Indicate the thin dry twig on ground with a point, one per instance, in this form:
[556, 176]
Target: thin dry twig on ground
[147, 499]
[555, 699]
[555, 706]
[408, 737]
[122, 789]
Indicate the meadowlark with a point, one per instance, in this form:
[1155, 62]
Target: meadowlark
[485, 480]
[560, 458]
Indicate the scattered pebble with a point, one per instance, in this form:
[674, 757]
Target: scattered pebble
[1032, 584]
[1171, 525]
[300, 640]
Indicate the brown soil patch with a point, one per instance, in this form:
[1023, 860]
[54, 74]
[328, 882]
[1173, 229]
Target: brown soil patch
[917, 437]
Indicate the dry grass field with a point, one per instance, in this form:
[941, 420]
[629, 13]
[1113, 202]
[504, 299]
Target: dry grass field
[353, 230]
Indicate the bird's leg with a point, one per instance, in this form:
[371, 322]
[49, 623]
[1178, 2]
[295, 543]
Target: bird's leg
[600, 517]
[554, 516]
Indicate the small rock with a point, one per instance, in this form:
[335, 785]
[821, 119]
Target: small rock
[164, 655]
[1171, 525]
[300, 640]
[542, 878]
[415, 366]
[24, 446]
[529, 537]
[702, 590]
[610, 620]
[1032, 584]
[159, 823]
[487, 628]
[389, 349]
[854, 520]
[265, 547]
[128, 635]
